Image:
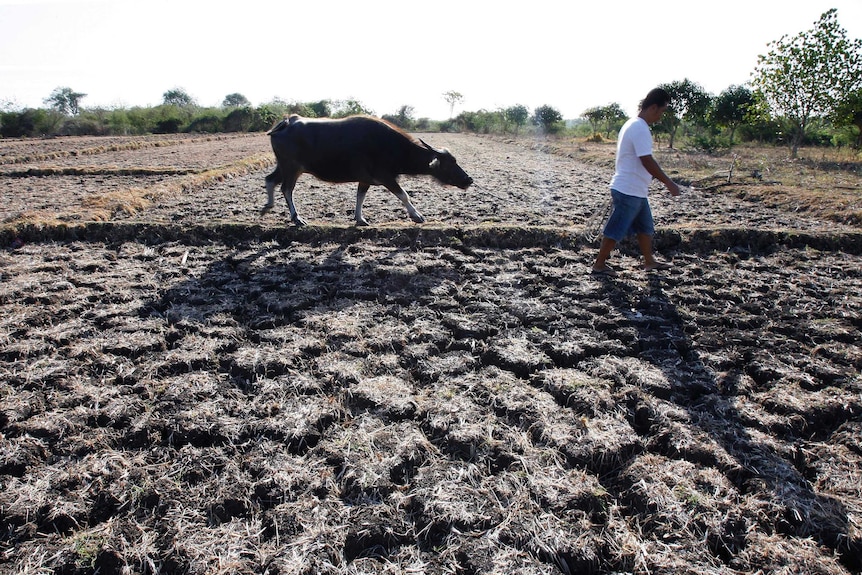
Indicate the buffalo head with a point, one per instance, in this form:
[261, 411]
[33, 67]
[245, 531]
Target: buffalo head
[444, 168]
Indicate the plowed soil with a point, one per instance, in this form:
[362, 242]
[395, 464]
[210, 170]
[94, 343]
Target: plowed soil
[188, 386]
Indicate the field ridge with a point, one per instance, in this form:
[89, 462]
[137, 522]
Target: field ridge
[756, 241]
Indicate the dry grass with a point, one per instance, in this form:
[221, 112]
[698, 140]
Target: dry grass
[67, 148]
[105, 206]
[821, 182]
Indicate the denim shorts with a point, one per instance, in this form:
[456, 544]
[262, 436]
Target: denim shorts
[631, 215]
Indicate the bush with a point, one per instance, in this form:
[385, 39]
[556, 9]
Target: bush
[29, 122]
[267, 115]
[709, 143]
[83, 126]
[549, 120]
[168, 126]
[207, 123]
[239, 120]
[448, 126]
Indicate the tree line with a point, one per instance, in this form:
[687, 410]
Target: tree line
[807, 89]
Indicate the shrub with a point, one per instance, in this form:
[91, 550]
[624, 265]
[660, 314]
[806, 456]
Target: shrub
[168, 126]
[29, 122]
[239, 120]
[548, 119]
[209, 123]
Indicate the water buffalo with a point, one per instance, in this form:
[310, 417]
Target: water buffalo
[359, 149]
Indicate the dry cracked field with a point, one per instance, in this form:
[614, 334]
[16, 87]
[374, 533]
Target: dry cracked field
[188, 386]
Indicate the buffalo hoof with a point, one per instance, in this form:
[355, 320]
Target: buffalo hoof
[266, 208]
[362, 222]
[418, 218]
[299, 222]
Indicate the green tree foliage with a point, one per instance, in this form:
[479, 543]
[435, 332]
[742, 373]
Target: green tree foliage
[689, 102]
[594, 116]
[240, 119]
[268, 115]
[28, 122]
[759, 125]
[607, 118]
[730, 108]
[481, 121]
[806, 75]
[548, 119]
[613, 117]
[321, 109]
[178, 97]
[403, 118]
[65, 100]
[210, 122]
[350, 107]
[517, 115]
[235, 100]
[848, 112]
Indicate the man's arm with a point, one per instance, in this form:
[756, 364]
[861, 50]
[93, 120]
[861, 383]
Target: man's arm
[656, 172]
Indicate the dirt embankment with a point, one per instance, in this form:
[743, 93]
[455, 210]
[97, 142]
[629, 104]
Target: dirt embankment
[190, 387]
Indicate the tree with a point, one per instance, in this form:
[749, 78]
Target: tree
[177, 97]
[548, 119]
[689, 102]
[614, 116]
[452, 97]
[240, 119]
[730, 108]
[805, 76]
[403, 118]
[235, 100]
[350, 107]
[320, 109]
[848, 112]
[518, 115]
[65, 100]
[594, 116]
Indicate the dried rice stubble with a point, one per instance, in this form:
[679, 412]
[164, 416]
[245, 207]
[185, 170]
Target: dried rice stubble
[575, 389]
[677, 501]
[389, 396]
[516, 354]
[373, 457]
[558, 488]
[466, 430]
[836, 472]
[776, 554]
[297, 422]
[453, 498]
[567, 541]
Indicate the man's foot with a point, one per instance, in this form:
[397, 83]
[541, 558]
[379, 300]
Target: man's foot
[657, 266]
[604, 271]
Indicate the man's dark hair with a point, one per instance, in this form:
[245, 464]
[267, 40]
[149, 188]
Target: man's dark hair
[656, 96]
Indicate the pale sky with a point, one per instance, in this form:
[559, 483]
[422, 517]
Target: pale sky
[571, 55]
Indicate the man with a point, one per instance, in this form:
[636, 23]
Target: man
[635, 169]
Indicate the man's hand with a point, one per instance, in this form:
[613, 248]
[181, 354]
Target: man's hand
[673, 188]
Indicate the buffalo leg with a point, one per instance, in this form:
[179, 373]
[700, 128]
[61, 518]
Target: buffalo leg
[271, 180]
[361, 191]
[287, 189]
[405, 200]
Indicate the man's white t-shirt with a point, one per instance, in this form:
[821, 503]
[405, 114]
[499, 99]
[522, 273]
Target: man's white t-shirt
[635, 141]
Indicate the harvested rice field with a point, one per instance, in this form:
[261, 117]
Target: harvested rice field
[189, 386]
